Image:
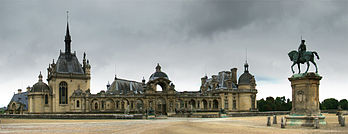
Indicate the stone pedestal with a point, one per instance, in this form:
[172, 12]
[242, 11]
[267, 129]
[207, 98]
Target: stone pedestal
[305, 100]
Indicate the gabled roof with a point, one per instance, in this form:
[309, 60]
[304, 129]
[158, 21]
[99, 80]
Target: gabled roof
[122, 86]
[21, 98]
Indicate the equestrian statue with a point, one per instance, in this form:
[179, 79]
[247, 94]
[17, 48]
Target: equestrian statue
[302, 56]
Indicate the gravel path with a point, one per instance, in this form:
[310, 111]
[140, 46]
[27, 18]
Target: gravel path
[238, 125]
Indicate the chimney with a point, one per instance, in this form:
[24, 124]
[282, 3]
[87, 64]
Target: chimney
[234, 75]
[19, 91]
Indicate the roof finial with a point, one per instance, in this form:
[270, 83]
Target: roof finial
[115, 77]
[143, 81]
[246, 65]
[158, 68]
[40, 77]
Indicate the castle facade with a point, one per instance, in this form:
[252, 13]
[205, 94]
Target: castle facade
[68, 91]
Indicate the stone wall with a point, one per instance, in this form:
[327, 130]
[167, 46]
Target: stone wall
[74, 116]
[244, 114]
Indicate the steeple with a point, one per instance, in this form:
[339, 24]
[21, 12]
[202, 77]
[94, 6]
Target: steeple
[67, 35]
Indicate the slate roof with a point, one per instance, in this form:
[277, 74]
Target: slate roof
[245, 78]
[122, 86]
[21, 98]
[40, 87]
[221, 79]
[68, 63]
[158, 74]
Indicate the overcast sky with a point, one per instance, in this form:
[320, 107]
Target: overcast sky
[188, 38]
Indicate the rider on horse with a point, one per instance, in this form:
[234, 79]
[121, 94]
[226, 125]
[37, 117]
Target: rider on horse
[302, 49]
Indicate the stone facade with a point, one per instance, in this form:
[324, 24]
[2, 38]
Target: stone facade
[68, 91]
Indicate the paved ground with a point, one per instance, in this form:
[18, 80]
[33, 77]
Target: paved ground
[238, 125]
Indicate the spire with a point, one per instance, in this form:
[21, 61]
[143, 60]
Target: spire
[158, 68]
[67, 35]
[115, 77]
[40, 77]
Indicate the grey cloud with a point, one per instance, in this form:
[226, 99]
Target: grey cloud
[188, 38]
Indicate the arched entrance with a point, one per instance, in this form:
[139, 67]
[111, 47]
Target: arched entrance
[192, 104]
[205, 104]
[161, 108]
[139, 106]
[215, 104]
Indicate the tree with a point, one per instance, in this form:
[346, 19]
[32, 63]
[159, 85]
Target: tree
[344, 104]
[271, 104]
[330, 103]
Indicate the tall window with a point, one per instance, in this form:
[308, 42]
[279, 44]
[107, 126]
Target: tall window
[252, 102]
[77, 103]
[63, 91]
[117, 102]
[234, 104]
[46, 99]
[226, 103]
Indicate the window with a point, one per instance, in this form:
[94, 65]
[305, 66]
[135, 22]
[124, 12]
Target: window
[234, 104]
[131, 104]
[63, 91]
[117, 103]
[226, 104]
[252, 102]
[77, 103]
[96, 105]
[46, 99]
[102, 104]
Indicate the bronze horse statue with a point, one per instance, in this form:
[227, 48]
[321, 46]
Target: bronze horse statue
[306, 57]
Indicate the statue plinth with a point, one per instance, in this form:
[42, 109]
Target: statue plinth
[305, 100]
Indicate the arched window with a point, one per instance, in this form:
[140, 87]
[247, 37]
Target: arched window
[63, 93]
[117, 103]
[14, 106]
[77, 103]
[46, 99]
[96, 105]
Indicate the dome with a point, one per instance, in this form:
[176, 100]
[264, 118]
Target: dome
[246, 77]
[158, 74]
[40, 86]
